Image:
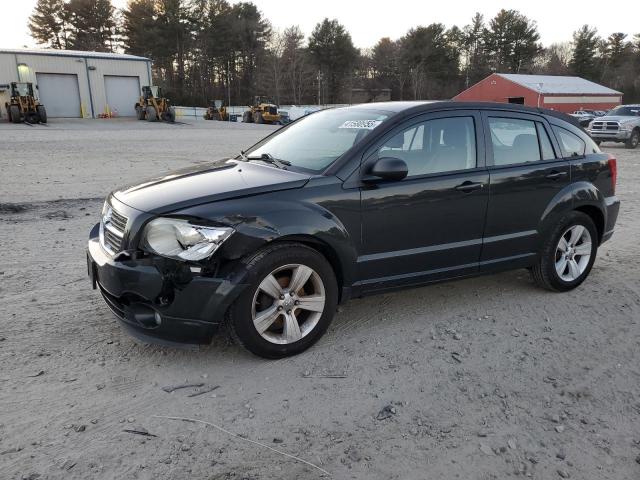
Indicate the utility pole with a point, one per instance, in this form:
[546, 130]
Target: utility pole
[229, 91]
[319, 85]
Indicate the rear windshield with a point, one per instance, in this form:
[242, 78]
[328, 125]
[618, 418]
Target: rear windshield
[315, 142]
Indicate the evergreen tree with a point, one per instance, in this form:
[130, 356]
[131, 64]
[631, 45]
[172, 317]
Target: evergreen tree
[585, 45]
[91, 25]
[512, 42]
[334, 55]
[47, 24]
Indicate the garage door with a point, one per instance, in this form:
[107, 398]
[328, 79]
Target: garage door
[60, 94]
[122, 94]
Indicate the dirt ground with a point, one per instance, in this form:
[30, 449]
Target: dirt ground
[488, 378]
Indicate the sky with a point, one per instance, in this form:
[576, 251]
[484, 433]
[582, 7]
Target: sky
[368, 21]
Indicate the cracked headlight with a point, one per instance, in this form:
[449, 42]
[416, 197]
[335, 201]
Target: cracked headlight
[182, 240]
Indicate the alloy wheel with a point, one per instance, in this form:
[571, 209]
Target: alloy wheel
[573, 253]
[288, 304]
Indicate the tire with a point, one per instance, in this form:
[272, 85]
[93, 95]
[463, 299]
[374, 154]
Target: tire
[15, 114]
[139, 112]
[42, 113]
[633, 140]
[545, 271]
[152, 116]
[259, 118]
[278, 262]
[170, 115]
[247, 117]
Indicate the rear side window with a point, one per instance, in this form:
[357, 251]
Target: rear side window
[514, 141]
[571, 144]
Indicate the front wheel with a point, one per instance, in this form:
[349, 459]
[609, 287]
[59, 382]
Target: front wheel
[568, 253]
[634, 139]
[152, 116]
[42, 114]
[289, 304]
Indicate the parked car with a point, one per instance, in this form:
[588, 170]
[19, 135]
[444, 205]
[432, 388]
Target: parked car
[622, 124]
[350, 202]
[584, 117]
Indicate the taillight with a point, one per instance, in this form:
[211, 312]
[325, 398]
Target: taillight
[613, 170]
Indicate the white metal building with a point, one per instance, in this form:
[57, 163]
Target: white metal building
[76, 84]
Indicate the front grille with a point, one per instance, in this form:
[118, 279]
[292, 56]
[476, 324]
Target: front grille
[112, 230]
[604, 126]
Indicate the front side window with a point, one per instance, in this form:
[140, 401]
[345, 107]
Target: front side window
[315, 142]
[571, 144]
[434, 146]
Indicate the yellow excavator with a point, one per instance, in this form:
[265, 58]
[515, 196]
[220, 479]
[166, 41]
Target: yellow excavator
[152, 106]
[216, 111]
[23, 106]
[263, 110]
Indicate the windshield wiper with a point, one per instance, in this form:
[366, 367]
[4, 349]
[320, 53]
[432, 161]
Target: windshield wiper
[243, 156]
[268, 158]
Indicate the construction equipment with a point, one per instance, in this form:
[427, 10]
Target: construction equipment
[152, 106]
[216, 111]
[23, 106]
[263, 110]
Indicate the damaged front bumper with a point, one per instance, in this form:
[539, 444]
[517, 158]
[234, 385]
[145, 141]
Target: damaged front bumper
[161, 300]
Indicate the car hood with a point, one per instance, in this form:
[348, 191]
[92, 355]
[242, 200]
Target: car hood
[220, 180]
[618, 118]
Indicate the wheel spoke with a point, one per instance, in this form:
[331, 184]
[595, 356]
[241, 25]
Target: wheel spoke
[265, 319]
[291, 328]
[313, 303]
[574, 270]
[299, 277]
[271, 287]
[562, 246]
[561, 265]
[576, 233]
[583, 249]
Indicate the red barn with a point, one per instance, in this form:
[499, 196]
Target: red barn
[565, 94]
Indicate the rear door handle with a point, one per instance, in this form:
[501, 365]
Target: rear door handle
[469, 186]
[556, 174]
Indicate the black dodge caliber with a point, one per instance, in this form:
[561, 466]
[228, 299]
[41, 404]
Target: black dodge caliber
[348, 202]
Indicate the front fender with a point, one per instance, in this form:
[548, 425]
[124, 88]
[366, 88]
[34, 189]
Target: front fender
[262, 220]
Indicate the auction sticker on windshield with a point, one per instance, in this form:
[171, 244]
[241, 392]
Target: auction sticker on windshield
[361, 124]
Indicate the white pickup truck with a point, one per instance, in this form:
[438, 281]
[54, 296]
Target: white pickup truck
[622, 124]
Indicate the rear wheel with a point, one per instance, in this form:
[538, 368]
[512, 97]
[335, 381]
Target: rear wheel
[139, 112]
[152, 116]
[634, 139]
[15, 114]
[259, 118]
[289, 304]
[567, 254]
[42, 113]
[247, 117]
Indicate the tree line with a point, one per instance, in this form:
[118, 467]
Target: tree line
[211, 49]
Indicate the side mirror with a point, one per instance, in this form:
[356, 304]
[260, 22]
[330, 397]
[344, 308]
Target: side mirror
[388, 168]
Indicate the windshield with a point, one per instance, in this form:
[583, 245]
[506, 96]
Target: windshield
[625, 111]
[315, 142]
[22, 89]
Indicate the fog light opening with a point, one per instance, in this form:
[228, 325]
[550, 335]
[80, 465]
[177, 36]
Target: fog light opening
[158, 319]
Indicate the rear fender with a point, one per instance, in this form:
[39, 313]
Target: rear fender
[572, 197]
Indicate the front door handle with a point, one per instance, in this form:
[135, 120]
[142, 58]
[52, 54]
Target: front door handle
[468, 186]
[554, 175]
